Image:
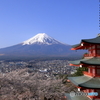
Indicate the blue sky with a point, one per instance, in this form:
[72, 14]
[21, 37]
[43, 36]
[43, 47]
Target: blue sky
[68, 21]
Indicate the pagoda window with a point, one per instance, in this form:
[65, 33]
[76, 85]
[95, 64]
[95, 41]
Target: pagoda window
[98, 67]
[90, 70]
[93, 51]
[98, 52]
[98, 46]
[93, 70]
[93, 47]
[98, 71]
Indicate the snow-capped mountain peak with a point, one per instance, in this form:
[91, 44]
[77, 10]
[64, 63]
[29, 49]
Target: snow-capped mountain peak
[41, 38]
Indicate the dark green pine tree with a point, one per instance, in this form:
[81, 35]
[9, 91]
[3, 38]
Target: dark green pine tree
[80, 71]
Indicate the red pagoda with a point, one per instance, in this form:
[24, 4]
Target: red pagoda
[89, 83]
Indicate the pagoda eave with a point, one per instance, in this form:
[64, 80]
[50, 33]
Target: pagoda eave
[86, 82]
[74, 65]
[92, 41]
[79, 47]
[91, 61]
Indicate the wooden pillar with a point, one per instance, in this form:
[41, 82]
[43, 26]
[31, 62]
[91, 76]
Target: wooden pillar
[95, 50]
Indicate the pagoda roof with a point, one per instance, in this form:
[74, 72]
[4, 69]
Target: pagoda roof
[90, 61]
[76, 45]
[90, 41]
[86, 81]
[93, 40]
[76, 97]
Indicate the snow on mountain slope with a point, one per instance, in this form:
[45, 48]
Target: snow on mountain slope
[41, 38]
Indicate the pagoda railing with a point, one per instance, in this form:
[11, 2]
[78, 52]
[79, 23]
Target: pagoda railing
[88, 74]
[91, 74]
[89, 55]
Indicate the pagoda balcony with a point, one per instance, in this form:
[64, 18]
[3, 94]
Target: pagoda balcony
[88, 74]
[89, 55]
[91, 74]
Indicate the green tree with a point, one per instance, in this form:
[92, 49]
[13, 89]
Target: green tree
[80, 71]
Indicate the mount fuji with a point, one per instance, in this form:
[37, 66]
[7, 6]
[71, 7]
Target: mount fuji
[41, 45]
[40, 39]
